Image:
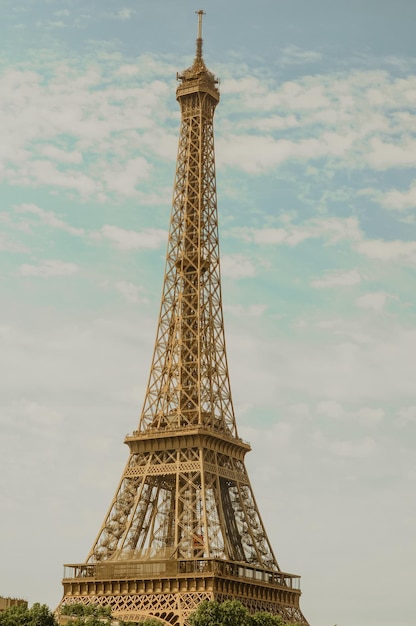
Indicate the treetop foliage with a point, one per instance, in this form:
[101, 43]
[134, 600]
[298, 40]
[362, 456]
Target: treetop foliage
[232, 613]
[208, 613]
[37, 615]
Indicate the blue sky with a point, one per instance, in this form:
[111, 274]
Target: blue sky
[316, 153]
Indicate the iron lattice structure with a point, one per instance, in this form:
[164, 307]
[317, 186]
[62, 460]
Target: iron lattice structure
[184, 526]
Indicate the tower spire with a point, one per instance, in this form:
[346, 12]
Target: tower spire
[200, 13]
[183, 526]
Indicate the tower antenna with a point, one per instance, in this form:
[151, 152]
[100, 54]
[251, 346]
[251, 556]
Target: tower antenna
[199, 13]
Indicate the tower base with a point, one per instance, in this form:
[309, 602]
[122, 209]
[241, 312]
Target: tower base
[170, 590]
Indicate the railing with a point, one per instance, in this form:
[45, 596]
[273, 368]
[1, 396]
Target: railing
[175, 429]
[119, 570]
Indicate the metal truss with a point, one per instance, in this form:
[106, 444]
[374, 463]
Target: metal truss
[184, 525]
[168, 608]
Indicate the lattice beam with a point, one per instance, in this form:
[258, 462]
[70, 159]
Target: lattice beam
[184, 524]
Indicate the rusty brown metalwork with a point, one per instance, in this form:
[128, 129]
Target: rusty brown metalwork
[184, 525]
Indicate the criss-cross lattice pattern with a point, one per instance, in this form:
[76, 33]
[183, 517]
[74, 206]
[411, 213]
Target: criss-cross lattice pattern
[171, 608]
[189, 381]
[184, 503]
[184, 525]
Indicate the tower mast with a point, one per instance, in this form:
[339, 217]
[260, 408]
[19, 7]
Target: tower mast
[184, 526]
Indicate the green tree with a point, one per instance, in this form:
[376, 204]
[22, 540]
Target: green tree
[37, 615]
[267, 619]
[93, 615]
[232, 613]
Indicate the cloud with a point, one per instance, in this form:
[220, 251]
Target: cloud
[362, 448]
[375, 301]
[406, 415]
[332, 229]
[350, 119]
[364, 363]
[128, 70]
[384, 155]
[331, 409]
[338, 278]
[7, 245]
[50, 24]
[334, 410]
[150, 238]
[381, 250]
[370, 415]
[294, 55]
[274, 122]
[129, 291]
[39, 413]
[49, 268]
[270, 236]
[400, 200]
[237, 266]
[49, 218]
[255, 154]
[125, 14]
[43, 172]
[62, 13]
[253, 310]
[123, 177]
[64, 156]
[86, 130]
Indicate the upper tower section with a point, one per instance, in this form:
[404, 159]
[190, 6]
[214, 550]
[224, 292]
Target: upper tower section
[197, 78]
[189, 384]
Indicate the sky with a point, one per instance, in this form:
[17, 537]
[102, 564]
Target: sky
[315, 153]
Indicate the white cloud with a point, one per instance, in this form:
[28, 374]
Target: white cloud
[370, 415]
[333, 229]
[123, 178]
[334, 410]
[49, 218]
[406, 415]
[8, 245]
[400, 200]
[64, 156]
[274, 122]
[362, 364]
[39, 413]
[253, 310]
[50, 24]
[77, 129]
[350, 119]
[48, 268]
[384, 155]
[150, 238]
[128, 70]
[375, 301]
[125, 14]
[44, 172]
[237, 266]
[339, 278]
[388, 250]
[129, 291]
[300, 411]
[294, 55]
[291, 236]
[362, 448]
[331, 409]
[255, 153]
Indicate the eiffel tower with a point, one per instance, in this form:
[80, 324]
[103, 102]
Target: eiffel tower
[183, 526]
